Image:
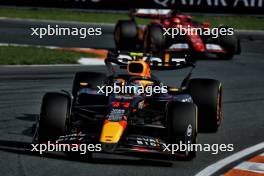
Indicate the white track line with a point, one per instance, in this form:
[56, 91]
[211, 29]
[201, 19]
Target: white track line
[251, 166]
[213, 168]
[91, 61]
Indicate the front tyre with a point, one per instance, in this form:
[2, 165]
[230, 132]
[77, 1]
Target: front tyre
[54, 117]
[182, 126]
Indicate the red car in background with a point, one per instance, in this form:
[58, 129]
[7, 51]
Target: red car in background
[197, 38]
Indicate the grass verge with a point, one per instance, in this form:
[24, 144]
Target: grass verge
[238, 22]
[62, 15]
[16, 55]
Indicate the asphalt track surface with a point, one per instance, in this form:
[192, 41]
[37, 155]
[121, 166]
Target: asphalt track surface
[21, 90]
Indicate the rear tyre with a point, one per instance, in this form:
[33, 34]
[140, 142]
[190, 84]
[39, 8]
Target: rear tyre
[126, 35]
[207, 95]
[54, 117]
[231, 45]
[182, 126]
[154, 40]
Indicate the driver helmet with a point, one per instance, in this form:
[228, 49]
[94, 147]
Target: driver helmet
[141, 69]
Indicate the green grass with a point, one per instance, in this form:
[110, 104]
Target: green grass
[62, 15]
[14, 55]
[238, 22]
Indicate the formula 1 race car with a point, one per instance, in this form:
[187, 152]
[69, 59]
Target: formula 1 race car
[132, 122]
[163, 34]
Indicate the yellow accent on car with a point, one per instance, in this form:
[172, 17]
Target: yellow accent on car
[167, 59]
[145, 72]
[173, 89]
[218, 103]
[136, 54]
[111, 132]
[83, 83]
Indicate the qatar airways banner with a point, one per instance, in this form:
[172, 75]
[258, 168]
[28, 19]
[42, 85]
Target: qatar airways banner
[206, 6]
[215, 6]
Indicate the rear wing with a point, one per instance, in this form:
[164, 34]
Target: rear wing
[152, 13]
[161, 61]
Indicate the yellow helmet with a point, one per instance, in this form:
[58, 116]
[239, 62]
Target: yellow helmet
[140, 68]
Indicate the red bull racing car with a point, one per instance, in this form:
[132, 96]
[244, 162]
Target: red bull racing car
[174, 32]
[132, 122]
